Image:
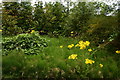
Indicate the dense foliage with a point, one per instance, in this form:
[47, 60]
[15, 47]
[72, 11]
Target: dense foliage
[28, 43]
[55, 19]
[82, 40]
[63, 58]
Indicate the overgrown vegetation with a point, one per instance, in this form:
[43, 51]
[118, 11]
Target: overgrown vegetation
[78, 41]
[54, 62]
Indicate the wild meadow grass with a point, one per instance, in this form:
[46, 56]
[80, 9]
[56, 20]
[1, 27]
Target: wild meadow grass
[53, 62]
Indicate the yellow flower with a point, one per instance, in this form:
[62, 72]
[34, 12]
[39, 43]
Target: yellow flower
[87, 43]
[88, 61]
[61, 46]
[89, 50]
[32, 31]
[118, 51]
[77, 45]
[70, 46]
[0, 30]
[81, 42]
[71, 32]
[82, 46]
[73, 56]
[101, 65]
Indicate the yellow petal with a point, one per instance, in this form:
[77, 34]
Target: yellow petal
[101, 65]
[89, 50]
[61, 46]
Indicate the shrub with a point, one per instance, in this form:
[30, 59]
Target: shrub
[100, 29]
[30, 43]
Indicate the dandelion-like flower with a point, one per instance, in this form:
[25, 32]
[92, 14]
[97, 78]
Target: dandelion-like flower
[73, 56]
[77, 45]
[89, 50]
[70, 46]
[87, 43]
[0, 30]
[82, 44]
[118, 51]
[88, 61]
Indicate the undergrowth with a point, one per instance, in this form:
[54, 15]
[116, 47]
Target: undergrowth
[54, 62]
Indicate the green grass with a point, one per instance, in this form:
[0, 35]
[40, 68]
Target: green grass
[54, 62]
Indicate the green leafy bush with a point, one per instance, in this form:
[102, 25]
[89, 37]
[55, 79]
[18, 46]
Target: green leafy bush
[30, 43]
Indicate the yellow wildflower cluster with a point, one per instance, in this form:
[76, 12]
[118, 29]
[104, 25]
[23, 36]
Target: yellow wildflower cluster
[70, 46]
[61, 46]
[32, 31]
[82, 44]
[73, 56]
[0, 30]
[118, 51]
[101, 65]
[88, 61]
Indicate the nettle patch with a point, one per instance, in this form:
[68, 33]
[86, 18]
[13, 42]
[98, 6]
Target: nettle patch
[29, 43]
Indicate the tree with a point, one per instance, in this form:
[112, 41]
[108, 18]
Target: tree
[25, 18]
[38, 16]
[79, 16]
[9, 18]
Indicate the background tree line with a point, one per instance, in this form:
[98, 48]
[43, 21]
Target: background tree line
[84, 20]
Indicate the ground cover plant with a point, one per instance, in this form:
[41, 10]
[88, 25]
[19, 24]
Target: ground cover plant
[29, 43]
[53, 40]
